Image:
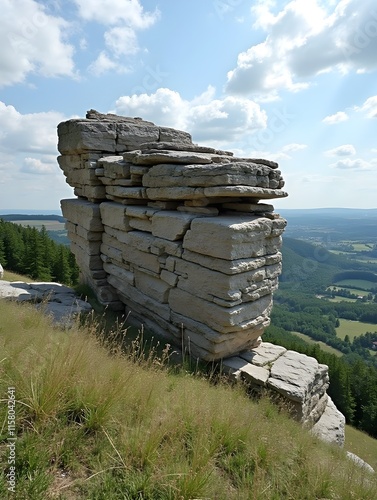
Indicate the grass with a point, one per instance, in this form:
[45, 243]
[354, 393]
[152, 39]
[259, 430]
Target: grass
[322, 345]
[354, 328]
[94, 423]
[362, 445]
[10, 276]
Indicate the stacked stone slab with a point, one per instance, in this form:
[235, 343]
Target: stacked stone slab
[180, 234]
[298, 379]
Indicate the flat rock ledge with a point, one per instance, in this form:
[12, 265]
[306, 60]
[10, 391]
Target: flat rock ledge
[298, 380]
[56, 300]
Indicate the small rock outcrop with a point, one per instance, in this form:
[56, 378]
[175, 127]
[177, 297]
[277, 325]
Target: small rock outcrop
[1, 271]
[56, 300]
[300, 381]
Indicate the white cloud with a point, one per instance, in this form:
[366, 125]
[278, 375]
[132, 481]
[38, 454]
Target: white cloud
[29, 133]
[104, 63]
[349, 164]
[338, 117]
[123, 19]
[206, 118]
[32, 41]
[304, 39]
[369, 107]
[38, 166]
[122, 40]
[293, 147]
[115, 12]
[344, 150]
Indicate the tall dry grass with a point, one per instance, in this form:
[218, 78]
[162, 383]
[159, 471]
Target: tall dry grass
[96, 423]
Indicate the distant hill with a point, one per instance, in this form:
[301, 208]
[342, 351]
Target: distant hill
[16, 217]
[311, 267]
[5, 211]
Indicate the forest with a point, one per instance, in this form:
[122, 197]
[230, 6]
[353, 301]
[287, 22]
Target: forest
[327, 249]
[29, 251]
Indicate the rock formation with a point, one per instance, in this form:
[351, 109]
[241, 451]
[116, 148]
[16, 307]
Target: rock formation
[1, 271]
[174, 231]
[182, 238]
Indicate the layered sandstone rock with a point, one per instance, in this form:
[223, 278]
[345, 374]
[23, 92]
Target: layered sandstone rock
[183, 238]
[174, 232]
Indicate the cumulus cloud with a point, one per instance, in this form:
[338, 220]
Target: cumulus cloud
[29, 133]
[338, 117]
[123, 20]
[304, 39]
[104, 63]
[369, 107]
[350, 164]
[224, 120]
[38, 166]
[344, 150]
[113, 12]
[32, 41]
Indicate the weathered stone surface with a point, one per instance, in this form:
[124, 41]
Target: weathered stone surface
[194, 175]
[79, 136]
[131, 135]
[209, 284]
[139, 158]
[58, 301]
[293, 375]
[177, 146]
[254, 374]
[171, 225]
[222, 319]
[115, 216]
[1, 271]
[266, 354]
[249, 207]
[330, 427]
[114, 167]
[233, 238]
[168, 134]
[155, 288]
[231, 266]
[83, 213]
[360, 462]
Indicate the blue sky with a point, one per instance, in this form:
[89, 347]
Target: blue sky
[292, 81]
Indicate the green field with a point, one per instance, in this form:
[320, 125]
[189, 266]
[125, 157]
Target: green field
[322, 345]
[354, 328]
[341, 299]
[364, 284]
[50, 225]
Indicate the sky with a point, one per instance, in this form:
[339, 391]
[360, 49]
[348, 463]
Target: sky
[290, 81]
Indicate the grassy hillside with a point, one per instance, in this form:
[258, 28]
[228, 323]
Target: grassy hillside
[100, 426]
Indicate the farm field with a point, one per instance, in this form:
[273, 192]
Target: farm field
[354, 328]
[323, 346]
[350, 283]
[50, 225]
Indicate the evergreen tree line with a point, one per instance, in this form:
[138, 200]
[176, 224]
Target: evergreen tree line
[353, 383]
[29, 251]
